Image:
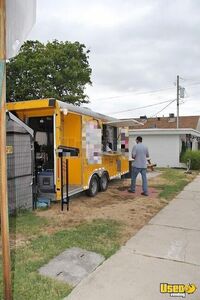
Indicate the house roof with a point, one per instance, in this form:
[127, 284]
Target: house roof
[167, 122]
[165, 131]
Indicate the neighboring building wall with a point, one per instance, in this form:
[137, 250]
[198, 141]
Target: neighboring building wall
[164, 149]
[198, 125]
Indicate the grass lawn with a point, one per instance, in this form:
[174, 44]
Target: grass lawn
[174, 180]
[36, 238]
[100, 236]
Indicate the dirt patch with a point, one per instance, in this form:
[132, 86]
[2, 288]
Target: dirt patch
[133, 210]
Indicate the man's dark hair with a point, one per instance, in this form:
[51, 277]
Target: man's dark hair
[139, 139]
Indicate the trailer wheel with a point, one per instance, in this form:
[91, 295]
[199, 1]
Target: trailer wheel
[93, 187]
[104, 182]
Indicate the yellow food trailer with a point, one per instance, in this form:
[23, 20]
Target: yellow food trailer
[93, 147]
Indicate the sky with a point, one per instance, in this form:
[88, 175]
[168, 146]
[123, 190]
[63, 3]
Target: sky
[137, 49]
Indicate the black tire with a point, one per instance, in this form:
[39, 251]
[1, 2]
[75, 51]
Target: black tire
[93, 187]
[103, 184]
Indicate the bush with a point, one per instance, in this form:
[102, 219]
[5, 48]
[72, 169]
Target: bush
[183, 150]
[194, 156]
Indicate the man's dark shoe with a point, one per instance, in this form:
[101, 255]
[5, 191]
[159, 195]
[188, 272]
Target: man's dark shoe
[131, 191]
[144, 194]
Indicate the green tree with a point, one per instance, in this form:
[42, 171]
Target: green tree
[56, 70]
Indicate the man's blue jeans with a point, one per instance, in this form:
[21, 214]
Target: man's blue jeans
[134, 173]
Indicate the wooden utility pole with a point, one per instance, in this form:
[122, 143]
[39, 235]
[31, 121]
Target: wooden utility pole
[3, 164]
[178, 89]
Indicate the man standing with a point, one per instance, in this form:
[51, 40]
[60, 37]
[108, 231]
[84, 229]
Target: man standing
[140, 154]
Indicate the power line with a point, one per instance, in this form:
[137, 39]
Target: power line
[193, 84]
[148, 92]
[140, 107]
[143, 93]
[189, 78]
[163, 108]
[135, 93]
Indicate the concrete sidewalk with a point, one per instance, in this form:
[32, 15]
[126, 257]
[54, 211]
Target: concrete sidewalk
[166, 250]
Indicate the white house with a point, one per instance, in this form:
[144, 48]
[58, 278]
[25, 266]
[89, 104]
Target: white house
[165, 144]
